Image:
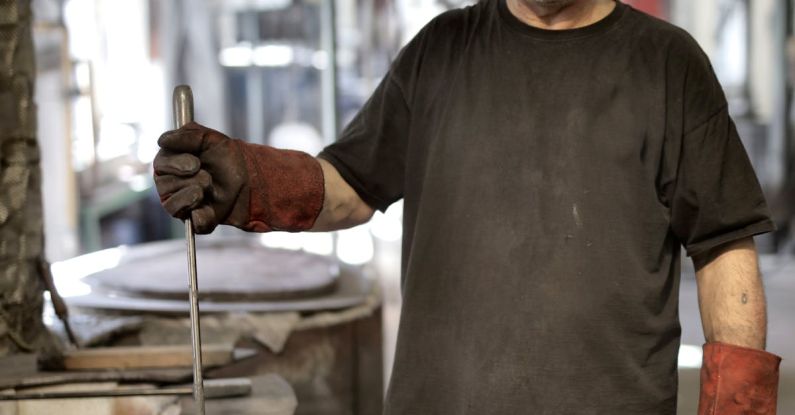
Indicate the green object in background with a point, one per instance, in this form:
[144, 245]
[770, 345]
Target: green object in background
[105, 201]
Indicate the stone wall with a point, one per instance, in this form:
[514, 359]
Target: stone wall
[21, 228]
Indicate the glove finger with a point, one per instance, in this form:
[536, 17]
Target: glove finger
[180, 164]
[187, 139]
[204, 219]
[179, 203]
[169, 184]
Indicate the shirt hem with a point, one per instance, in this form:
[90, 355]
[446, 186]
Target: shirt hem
[757, 228]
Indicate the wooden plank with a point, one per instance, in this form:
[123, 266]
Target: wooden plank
[145, 357]
[216, 389]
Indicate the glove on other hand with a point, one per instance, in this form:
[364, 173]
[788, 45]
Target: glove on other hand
[220, 180]
[738, 381]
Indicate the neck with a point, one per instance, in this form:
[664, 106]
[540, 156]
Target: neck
[560, 14]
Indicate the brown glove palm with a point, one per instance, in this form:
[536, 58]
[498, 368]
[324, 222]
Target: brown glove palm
[219, 180]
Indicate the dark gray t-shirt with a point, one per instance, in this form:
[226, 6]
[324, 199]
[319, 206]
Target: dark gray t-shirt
[549, 179]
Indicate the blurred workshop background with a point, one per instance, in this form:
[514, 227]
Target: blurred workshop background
[291, 73]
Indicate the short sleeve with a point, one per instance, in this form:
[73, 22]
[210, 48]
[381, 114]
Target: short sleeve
[370, 154]
[717, 197]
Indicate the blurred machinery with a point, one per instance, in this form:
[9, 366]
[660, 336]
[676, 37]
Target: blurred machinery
[307, 318]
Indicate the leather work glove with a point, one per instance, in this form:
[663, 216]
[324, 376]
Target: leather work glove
[219, 180]
[738, 381]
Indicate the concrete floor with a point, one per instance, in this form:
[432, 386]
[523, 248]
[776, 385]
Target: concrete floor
[779, 275]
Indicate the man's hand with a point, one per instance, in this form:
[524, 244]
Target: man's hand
[202, 172]
[737, 375]
[220, 180]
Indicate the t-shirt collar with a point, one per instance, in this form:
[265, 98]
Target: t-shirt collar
[599, 27]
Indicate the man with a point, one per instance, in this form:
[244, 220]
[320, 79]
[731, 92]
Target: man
[553, 157]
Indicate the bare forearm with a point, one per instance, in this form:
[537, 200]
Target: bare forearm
[731, 295]
[342, 206]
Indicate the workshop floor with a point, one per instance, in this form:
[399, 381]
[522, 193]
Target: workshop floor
[779, 272]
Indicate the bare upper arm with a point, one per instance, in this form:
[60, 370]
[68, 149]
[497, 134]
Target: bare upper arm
[342, 206]
[727, 269]
[731, 295]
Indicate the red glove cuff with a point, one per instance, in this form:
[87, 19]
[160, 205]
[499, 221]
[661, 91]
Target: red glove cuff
[737, 381]
[286, 189]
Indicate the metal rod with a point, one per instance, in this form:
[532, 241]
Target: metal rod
[58, 303]
[186, 390]
[329, 88]
[216, 389]
[328, 83]
[183, 114]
